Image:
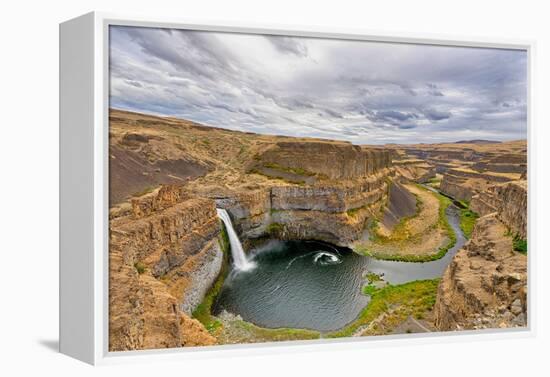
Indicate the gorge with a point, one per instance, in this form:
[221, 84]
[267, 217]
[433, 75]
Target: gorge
[230, 237]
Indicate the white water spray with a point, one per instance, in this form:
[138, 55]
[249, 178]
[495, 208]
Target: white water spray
[239, 259]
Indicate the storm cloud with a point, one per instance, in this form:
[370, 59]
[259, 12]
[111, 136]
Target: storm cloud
[363, 92]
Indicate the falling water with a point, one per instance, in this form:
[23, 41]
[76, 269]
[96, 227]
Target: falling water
[239, 259]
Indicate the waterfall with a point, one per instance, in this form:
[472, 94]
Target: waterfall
[239, 259]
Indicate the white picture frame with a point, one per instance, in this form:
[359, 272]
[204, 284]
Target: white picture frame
[84, 93]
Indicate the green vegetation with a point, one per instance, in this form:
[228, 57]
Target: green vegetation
[140, 267]
[213, 326]
[434, 182]
[444, 202]
[373, 277]
[204, 309]
[370, 289]
[467, 221]
[399, 232]
[459, 203]
[398, 302]
[224, 239]
[299, 171]
[274, 228]
[281, 178]
[464, 203]
[404, 258]
[274, 335]
[520, 244]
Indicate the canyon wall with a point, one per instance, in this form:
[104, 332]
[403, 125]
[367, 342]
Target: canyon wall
[485, 286]
[334, 160]
[347, 184]
[463, 184]
[509, 201]
[164, 256]
[456, 187]
[334, 213]
[415, 170]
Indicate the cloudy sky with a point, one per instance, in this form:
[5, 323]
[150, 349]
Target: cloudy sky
[363, 92]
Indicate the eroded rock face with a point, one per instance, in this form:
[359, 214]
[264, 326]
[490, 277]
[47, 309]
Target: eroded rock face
[320, 211]
[463, 184]
[249, 211]
[486, 283]
[164, 256]
[144, 315]
[509, 200]
[456, 187]
[334, 160]
[328, 198]
[513, 210]
[336, 228]
[415, 170]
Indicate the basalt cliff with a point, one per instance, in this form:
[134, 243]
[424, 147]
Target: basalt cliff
[485, 286]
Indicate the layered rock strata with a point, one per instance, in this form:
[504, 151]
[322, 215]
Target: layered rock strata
[509, 201]
[415, 170]
[463, 184]
[332, 212]
[164, 256]
[485, 285]
[333, 160]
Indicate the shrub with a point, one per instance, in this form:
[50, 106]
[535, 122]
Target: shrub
[275, 228]
[520, 244]
[140, 267]
[467, 221]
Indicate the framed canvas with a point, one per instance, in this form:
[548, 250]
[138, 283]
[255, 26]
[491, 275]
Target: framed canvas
[242, 189]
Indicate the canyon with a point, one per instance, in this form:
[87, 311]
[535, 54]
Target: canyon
[169, 253]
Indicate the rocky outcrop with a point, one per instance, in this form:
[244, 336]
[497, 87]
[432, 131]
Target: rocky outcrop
[443, 154]
[513, 208]
[484, 203]
[486, 283]
[164, 256]
[329, 198]
[401, 204]
[333, 160]
[144, 315]
[465, 173]
[500, 167]
[415, 170]
[509, 201]
[456, 187]
[330, 211]
[336, 228]
[249, 211]
[463, 184]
